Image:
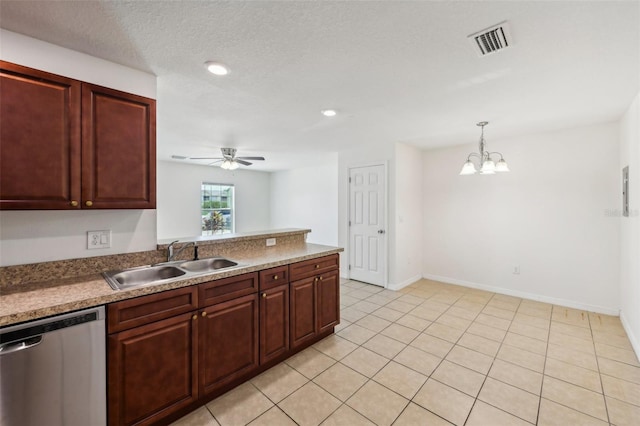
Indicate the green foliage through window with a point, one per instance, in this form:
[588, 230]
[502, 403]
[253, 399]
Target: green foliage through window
[217, 208]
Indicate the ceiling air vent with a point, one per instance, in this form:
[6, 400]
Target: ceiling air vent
[492, 39]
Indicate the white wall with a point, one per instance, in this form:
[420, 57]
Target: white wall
[34, 53]
[630, 226]
[408, 215]
[46, 235]
[549, 216]
[38, 236]
[307, 197]
[179, 198]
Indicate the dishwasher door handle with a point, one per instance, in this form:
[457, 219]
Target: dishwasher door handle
[11, 347]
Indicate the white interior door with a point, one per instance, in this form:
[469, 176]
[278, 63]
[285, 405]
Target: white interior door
[367, 233]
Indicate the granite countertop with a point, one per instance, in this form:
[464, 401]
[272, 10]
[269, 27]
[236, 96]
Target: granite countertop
[41, 299]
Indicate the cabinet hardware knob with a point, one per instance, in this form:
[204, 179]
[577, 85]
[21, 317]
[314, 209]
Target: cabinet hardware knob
[88, 203]
[194, 317]
[204, 313]
[275, 277]
[315, 280]
[264, 295]
[320, 277]
[74, 203]
[317, 266]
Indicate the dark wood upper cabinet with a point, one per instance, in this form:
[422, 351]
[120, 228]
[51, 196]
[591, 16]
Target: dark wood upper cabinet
[39, 139]
[65, 144]
[118, 149]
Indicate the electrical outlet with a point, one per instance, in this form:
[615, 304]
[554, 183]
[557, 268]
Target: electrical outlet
[271, 242]
[98, 239]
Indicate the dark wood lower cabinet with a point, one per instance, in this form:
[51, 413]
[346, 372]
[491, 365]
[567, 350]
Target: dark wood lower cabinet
[274, 323]
[172, 351]
[152, 370]
[228, 342]
[314, 307]
[302, 311]
[328, 296]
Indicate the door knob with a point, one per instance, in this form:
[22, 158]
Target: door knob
[380, 231]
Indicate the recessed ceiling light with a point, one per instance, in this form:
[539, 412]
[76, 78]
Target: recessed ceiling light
[329, 112]
[217, 68]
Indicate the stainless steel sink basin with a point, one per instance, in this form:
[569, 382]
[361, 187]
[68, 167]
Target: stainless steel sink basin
[205, 265]
[142, 276]
[161, 273]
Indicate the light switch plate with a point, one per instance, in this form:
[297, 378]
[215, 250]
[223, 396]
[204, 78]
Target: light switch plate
[271, 242]
[98, 239]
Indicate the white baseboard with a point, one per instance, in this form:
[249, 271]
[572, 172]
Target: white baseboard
[404, 283]
[632, 337]
[525, 295]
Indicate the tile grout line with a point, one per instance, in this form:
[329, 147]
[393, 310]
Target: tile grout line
[544, 366]
[595, 351]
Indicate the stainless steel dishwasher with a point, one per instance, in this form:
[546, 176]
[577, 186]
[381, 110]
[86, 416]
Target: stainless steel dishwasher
[52, 371]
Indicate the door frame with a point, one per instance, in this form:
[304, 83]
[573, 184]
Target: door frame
[385, 251]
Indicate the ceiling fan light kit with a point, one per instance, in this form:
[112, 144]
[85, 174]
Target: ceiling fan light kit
[487, 164]
[229, 165]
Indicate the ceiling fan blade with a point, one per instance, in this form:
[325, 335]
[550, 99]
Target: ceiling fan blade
[246, 163]
[250, 158]
[214, 162]
[179, 157]
[205, 158]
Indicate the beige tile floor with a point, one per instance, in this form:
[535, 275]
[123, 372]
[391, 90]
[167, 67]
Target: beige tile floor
[441, 354]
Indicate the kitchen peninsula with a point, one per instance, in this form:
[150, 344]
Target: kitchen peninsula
[208, 332]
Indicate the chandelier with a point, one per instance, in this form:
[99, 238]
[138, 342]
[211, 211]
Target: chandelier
[487, 164]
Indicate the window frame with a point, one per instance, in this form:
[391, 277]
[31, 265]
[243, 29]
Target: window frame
[231, 207]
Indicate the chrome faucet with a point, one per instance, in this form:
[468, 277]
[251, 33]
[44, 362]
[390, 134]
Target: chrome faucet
[171, 253]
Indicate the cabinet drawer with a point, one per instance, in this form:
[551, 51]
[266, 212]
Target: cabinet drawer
[227, 288]
[313, 267]
[274, 277]
[154, 307]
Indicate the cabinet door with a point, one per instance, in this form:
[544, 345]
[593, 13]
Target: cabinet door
[152, 370]
[274, 322]
[303, 311]
[228, 342]
[39, 139]
[328, 294]
[118, 149]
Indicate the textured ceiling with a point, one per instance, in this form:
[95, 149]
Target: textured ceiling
[396, 71]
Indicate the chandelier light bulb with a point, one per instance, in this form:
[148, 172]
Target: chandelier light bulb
[468, 168]
[488, 167]
[502, 166]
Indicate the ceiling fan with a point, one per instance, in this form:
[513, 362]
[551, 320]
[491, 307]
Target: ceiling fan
[228, 159]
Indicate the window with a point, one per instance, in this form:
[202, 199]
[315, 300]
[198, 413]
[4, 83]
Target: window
[217, 208]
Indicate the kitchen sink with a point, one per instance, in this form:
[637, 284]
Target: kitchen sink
[145, 275]
[205, 265]
[162, 273]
